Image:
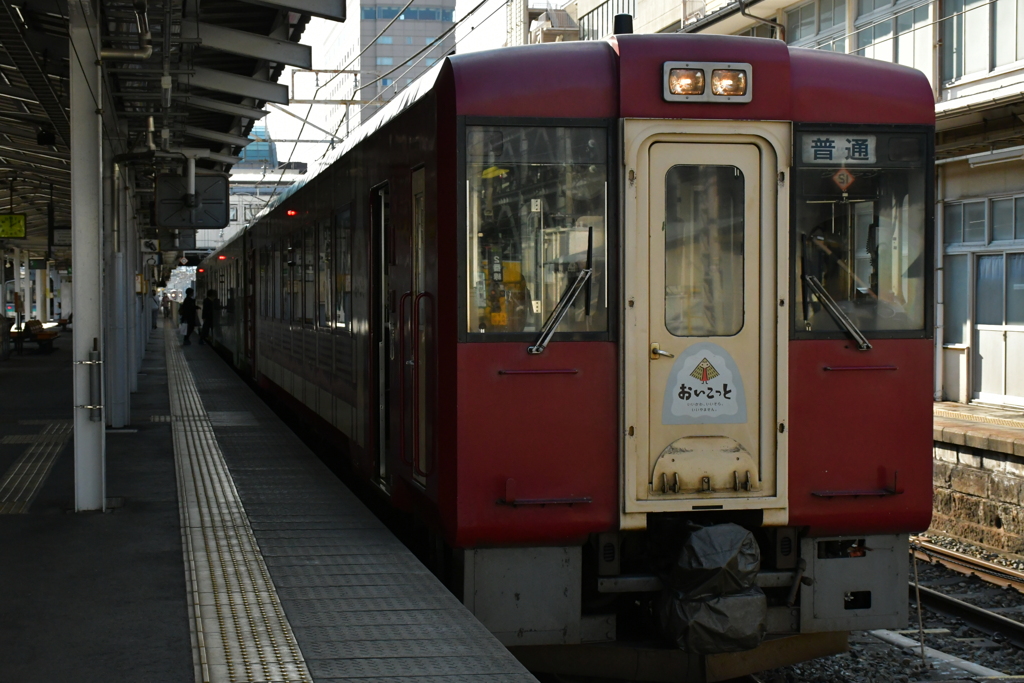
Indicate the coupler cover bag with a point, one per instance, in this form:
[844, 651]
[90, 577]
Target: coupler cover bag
[711, 603]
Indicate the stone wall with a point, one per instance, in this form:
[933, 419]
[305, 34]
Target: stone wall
[979, 485]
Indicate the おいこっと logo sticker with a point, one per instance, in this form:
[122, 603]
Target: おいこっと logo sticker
[704, 386]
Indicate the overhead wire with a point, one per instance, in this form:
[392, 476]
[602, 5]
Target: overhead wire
[309, 111]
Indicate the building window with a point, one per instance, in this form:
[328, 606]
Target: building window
[412, 14]
[813, 19]
[385, 40]
[385, 82]
[911, 46]
[408, 40]
[385, 61]
[869, 6]
[233, 213]
[759, 31]
[964, 223]
[956, 289]
[980, 35]
[250, 212]
[429, 61]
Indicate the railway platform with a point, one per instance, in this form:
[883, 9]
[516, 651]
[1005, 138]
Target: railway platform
[228, 551]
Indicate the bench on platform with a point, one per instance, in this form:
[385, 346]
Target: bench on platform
[64, 322]
[33, 331]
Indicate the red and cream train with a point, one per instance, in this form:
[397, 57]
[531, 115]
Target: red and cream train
[598, 311]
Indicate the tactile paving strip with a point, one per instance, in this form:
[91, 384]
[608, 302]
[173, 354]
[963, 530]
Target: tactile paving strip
[25, 477]
[239, 630]
[362, 606]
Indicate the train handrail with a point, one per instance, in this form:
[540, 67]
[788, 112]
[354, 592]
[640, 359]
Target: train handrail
[416, 386]
[401, 392]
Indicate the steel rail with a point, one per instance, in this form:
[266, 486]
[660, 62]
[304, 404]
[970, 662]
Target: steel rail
[978, 618]
[971, 566]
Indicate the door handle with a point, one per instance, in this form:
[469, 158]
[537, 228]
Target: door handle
[657, 352]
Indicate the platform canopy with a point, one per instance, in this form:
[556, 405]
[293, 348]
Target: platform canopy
[176, 75]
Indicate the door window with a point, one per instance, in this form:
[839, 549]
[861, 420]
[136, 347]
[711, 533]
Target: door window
[990, 290]
[703, 250]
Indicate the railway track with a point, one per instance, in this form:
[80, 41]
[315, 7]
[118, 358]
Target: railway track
[979, 618]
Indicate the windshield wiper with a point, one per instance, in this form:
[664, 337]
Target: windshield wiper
[563, 305]
[830, 305]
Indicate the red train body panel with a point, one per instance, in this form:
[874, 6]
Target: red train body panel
[370, 313]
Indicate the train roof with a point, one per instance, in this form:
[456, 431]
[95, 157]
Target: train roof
[582, 80]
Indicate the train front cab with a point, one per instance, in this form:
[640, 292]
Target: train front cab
[775, 372]
[743, 392]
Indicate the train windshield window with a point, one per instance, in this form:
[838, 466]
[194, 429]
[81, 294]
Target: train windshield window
[536, 214]
[860, 237]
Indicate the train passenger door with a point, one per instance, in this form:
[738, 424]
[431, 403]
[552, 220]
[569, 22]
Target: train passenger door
[384, 327]
[703, 343]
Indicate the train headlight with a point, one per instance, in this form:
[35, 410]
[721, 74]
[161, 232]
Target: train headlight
[686, 81]
[729, 82]
[720, 82]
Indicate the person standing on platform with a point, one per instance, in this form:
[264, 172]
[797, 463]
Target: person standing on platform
[209, 315]
[154, 307]
[165, 303]
[187, 315]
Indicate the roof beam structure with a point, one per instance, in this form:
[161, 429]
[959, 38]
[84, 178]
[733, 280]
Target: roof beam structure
[24, 59]
[246, 86]
[210, 104]
[216, 136]
[248, 44]
[325, 9]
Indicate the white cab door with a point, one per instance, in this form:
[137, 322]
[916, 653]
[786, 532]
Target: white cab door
[710, 356]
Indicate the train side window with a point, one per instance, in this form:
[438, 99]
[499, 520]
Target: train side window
[704, 250]
[277, 295]
[323, 276]
[537, 198]
[309, 275]
[295, 279]
[343, 269]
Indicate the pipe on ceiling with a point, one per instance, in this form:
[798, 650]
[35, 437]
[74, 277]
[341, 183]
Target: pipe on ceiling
[145, 50]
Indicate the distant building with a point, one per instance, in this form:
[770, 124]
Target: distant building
[254, 182]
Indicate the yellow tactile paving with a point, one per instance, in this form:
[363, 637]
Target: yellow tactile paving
[239, 630]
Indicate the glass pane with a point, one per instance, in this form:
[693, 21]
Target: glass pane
[323, 285]
[1005, 49]
[536, 215]
[955, 293]
[953, 222]
[807, 20]
[825, 12]
[309, 264]
[974, 222]
[1015, 289]
[989, 294]
[864, 245]
[343, 270]
[1018, 216]
[704, 251]
[1002, 219]
[839, 13]
[976, 36]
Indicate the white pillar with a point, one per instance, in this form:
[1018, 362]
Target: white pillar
[41, 294]
[26, 287]
[86, 254]
[18, 287]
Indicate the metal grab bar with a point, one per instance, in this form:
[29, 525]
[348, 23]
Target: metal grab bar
[416, 385]
[401, 392]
